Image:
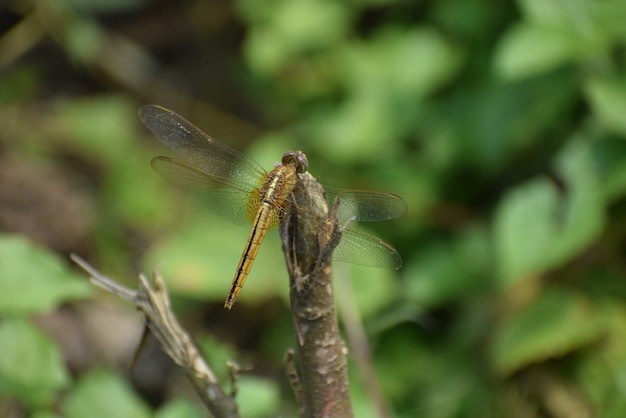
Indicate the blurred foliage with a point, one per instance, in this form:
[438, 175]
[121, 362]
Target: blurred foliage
[33, 279]
[102, 394]
[32, 367]
[502, 124]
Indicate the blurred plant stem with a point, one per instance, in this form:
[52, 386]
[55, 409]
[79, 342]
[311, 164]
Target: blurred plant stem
[359, 346]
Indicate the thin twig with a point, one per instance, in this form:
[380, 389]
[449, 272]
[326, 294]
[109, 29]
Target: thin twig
[320, 371]
[155, 304]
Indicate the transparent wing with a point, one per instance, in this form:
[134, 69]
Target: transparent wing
[366, 250]
[354, 246]
[364, 205]
[221, 197]
[200, 150]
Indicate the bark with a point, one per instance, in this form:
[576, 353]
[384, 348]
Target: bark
[318, 372]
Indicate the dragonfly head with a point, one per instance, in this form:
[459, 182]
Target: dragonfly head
[296, 159]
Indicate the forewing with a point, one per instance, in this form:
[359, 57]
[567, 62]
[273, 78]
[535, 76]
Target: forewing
[199, 149]
[365, 206]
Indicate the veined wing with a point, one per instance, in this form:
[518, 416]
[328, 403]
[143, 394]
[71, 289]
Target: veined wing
[200, 150]
[230, 166]
[354, 246]
[366, 250]
[365, 205]
[228, 200]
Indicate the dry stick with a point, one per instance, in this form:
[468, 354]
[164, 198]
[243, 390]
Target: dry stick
[318, 374]
[155, 304]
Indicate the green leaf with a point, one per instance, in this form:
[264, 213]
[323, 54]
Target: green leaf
[358, 130]
[553, 13]
[33, 279]
[31, 366]
[102, 394]
[609, 18]
[385, 79]
[589, 23]
[556, 323]
[265, 51]
[598, 371]
[526, 229]
[608, 101]
[407, 63]
[293, 28]
[584, 214]
[527, 50]
[537, 228]
[306, 24]
[554, 33]
[257, 398]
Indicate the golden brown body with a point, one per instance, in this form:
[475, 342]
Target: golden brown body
[278, 184]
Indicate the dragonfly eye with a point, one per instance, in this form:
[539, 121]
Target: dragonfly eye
[297, 159]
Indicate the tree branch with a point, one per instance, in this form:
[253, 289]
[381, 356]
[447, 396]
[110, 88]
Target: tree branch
[155, 304]
[320, 372]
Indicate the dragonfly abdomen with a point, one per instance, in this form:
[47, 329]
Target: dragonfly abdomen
[278, 184]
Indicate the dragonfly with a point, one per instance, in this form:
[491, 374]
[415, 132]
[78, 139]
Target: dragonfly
[239, 190]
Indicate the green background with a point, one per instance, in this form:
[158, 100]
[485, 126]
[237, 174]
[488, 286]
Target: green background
[502, 124]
